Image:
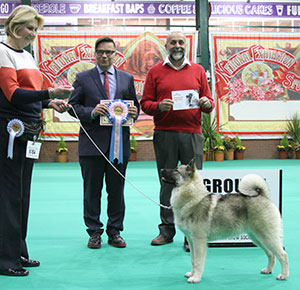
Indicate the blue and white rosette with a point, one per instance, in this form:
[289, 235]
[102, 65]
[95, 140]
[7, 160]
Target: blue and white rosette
[117, 114]
[15, 128]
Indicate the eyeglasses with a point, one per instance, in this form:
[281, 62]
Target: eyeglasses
[100, 52]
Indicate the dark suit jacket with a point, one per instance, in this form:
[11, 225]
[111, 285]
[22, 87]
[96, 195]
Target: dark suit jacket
[88, 92]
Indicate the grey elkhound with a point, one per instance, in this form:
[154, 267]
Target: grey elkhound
[203, 217]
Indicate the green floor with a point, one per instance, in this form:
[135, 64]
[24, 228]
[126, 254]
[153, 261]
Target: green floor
[58, 239]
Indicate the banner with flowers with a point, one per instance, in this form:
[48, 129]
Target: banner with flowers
[62, 55]
[256, 83]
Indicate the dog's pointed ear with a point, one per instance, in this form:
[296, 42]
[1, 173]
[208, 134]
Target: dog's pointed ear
[191, 167]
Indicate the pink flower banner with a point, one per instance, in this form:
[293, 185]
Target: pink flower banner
[256, 82]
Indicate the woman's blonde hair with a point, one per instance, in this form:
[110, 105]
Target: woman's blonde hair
[19, 17]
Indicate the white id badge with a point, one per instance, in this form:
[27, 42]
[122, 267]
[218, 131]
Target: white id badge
[33, 149]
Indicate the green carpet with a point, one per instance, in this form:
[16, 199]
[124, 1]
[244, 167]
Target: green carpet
[57, 237]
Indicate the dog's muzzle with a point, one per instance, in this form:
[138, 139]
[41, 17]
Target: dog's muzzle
[166, 176]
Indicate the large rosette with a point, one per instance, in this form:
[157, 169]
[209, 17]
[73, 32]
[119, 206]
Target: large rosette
[117, 114]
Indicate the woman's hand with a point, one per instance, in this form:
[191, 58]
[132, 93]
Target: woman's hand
[61, 92]
[59, 105]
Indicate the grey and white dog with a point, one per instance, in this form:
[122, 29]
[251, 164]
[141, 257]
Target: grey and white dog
[204, 217]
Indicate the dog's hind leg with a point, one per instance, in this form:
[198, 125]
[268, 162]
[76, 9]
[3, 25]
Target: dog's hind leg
[198, 260]
[277, 249]
[274, 246]
[270, 255]
[284, 261]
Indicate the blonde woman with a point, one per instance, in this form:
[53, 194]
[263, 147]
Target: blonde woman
[21, 102]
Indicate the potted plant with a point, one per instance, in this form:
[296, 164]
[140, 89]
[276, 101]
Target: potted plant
[284, 147]
[219, 148]
[296, 148]
[205, 150]
[293, 130]
[209, 131]
[239, 149]
[62, 151]
[133, 148]
[229, 147]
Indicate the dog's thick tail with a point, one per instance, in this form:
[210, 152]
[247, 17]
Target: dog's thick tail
[253, 185]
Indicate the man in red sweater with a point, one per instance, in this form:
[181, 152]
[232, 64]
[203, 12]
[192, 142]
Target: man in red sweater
[177, 133]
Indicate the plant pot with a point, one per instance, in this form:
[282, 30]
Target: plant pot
[210, 155]
[229, 154]
[204, 157]
[62, 157]
[239, 155]
[132, 156]
[297, 154]
[283, 154]
[219, 155]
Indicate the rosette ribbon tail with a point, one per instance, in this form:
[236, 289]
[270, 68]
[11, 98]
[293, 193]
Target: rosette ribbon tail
[15, 128]
[116, 143]
[10, 149]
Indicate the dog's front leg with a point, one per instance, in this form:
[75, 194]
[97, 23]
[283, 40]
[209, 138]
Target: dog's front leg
[190, 241]
[199, 249]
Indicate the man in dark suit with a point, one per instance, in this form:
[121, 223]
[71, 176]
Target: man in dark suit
[90, 87]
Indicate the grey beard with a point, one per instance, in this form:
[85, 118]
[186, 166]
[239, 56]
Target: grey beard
[178, 55]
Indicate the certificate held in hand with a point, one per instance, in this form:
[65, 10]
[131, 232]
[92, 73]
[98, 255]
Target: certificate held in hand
[185, 99]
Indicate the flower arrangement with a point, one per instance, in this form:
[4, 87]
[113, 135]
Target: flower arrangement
[267, 90]
[61, 148]
[238, 145]
[283, 148]
[239, 148]
[219, 148]
[133, 144]
[228, 142]
[296, 147]
[219, 142]
[284, 144]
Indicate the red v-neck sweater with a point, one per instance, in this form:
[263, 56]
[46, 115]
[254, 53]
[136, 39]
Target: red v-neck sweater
[161, 80]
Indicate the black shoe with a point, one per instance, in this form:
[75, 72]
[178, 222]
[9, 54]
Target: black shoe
[161, 240]
[95, 241]
[29, 263]
[14, 272]
[186, 245]
[117, 241]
